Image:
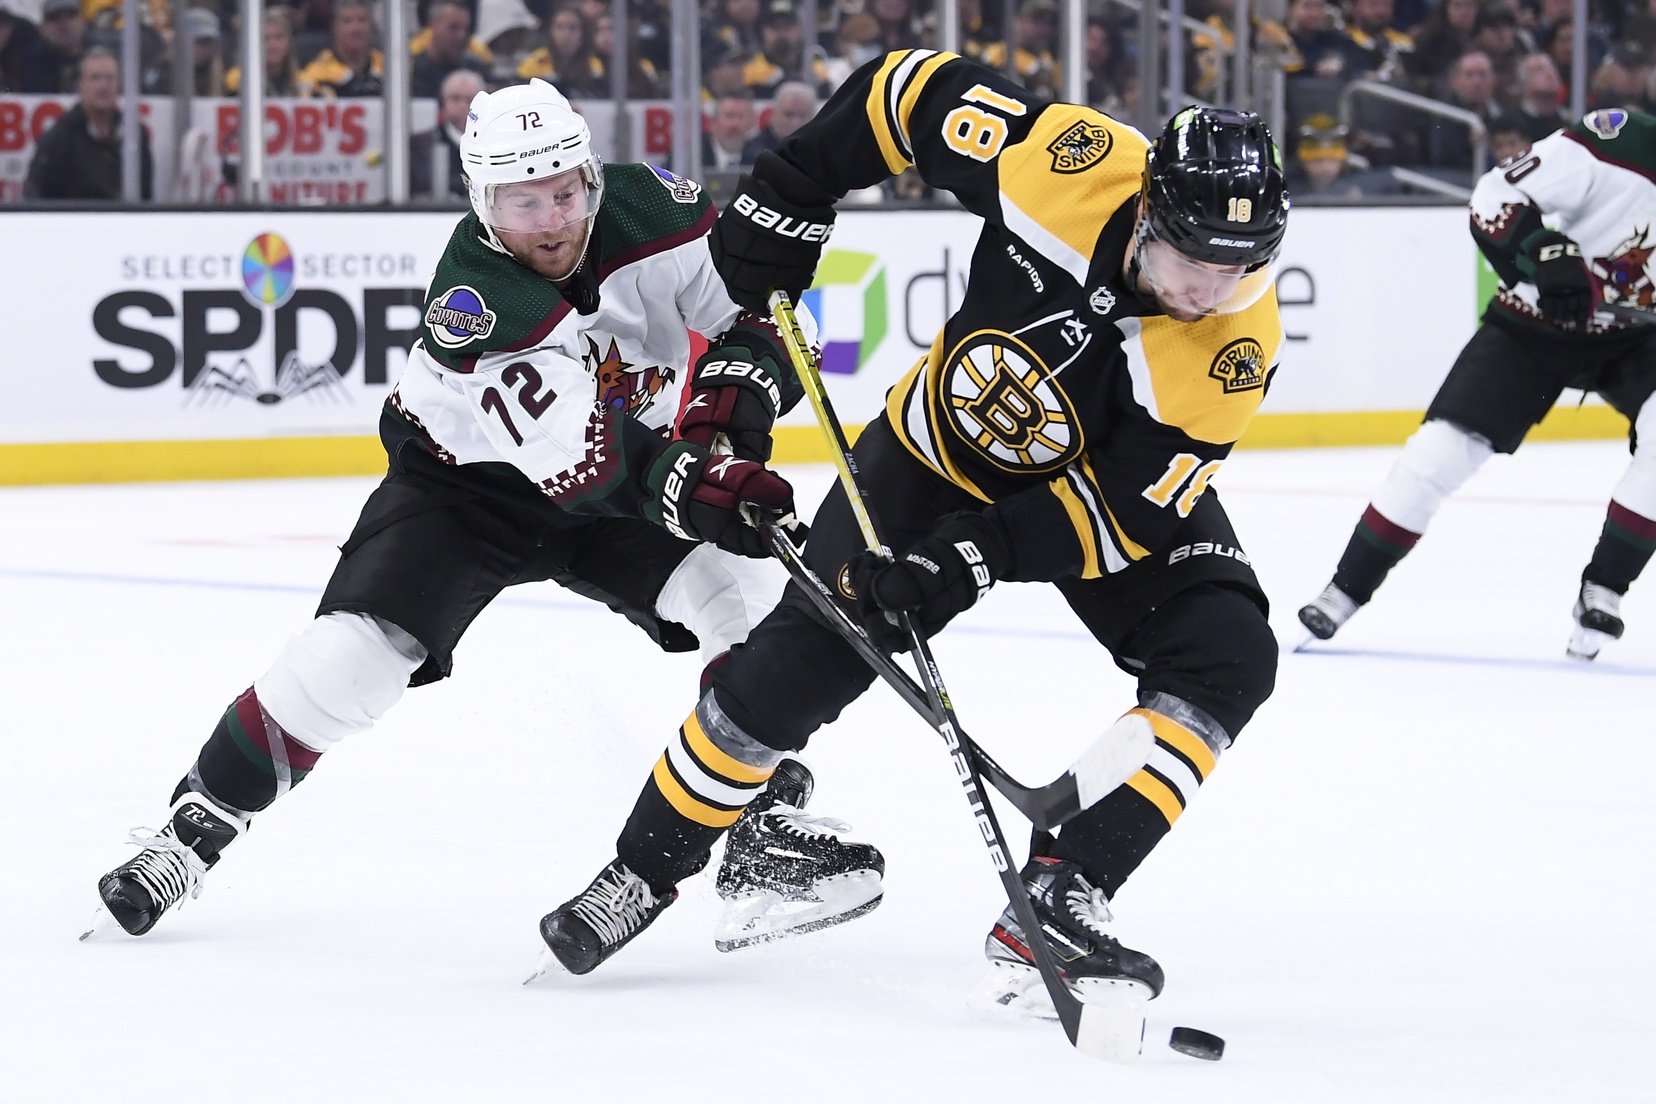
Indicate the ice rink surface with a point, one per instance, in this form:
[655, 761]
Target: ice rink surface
[1422, 874]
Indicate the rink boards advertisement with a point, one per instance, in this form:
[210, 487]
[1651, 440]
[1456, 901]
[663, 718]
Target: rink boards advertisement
[293, 325]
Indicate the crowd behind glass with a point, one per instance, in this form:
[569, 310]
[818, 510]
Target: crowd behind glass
[1507, 61]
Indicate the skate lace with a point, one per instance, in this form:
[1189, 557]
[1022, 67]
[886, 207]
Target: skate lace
[1597, 597]
[805, 826]
[615, 905]
[168, 869]
[1090, 908]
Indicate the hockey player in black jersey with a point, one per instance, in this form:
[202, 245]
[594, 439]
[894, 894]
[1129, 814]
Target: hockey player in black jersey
[1568, 228]
[1117, 334]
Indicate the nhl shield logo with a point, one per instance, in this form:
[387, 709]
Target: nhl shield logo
[1240, 366]
[459, 316]
[1102, 301]
[1080, 147]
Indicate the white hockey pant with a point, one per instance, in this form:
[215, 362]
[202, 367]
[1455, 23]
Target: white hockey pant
[338, 677]
[1436, 460]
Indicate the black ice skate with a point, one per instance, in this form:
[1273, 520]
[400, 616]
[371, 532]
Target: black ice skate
[785, 873]
[1075, 922]
[600, 920]
[1324, 614]
[169, 865]
[1598, 620]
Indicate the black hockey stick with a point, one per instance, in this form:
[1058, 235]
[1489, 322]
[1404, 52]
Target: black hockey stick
[1086, 1031]
[1626, 312]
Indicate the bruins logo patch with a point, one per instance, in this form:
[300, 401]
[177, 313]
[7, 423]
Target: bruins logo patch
[1240, 366]
[844, 582]
[1080, 147]
[1003, 401]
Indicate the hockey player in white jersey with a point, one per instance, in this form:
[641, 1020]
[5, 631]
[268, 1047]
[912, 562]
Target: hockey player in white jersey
[531, 437]
[1570, 228]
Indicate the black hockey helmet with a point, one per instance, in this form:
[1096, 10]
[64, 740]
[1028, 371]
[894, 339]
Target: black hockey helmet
[1214, 188]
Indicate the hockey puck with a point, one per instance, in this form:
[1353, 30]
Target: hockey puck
[1197, 1044]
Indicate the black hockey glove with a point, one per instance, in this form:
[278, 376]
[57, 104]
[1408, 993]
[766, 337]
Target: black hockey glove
[771, 233]
[701, 497]
[941, 576]
[735, 393]
[1564, 287]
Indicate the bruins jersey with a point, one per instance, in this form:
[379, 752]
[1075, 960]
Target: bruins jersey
[1092, 421]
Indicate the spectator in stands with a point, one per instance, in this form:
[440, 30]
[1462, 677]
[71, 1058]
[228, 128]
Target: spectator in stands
[281, 68]
[724, 140]
[1105, 63]
[1033, 62]
[1640, 26]
[79, 156]
[1211, 50]
[1496, 34]
[206, 51]
[1318, 50]
[1539, 109]
[17, 36]
[1508, 139]
[51, 64]
[899, 29]
[977, 27]
[735, 26]
[1375, 50]
[722, 74]
[440, 146]
[1444, 36]
[793, 106]
[1472, 88]
[351, 66]
[568, 59]
[781, 55]
[1621, 81]
[1323, 166]
[857, 43]
[644, 81]
[442, 46]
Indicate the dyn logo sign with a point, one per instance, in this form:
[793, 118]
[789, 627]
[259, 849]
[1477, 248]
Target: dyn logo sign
[848, 302]
[244, 341]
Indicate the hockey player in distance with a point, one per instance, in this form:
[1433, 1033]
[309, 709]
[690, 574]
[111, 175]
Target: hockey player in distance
[1568, 227]
[530, 438]
[1115, 338]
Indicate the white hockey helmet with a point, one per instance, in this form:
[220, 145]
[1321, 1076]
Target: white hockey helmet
[526, 135]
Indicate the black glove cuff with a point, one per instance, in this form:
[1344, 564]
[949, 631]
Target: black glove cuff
[984, 531]
[791, 185]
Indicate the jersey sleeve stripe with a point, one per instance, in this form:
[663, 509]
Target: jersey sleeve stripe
[910, 94]
[881, 118]
[1086, 489]
[1085, 527]
[1044, 241]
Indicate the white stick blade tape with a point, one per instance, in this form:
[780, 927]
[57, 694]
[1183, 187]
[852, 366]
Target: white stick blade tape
[1113, 758]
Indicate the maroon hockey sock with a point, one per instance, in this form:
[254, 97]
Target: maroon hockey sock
[1375, 547]
[249, 760]
[1624, 547]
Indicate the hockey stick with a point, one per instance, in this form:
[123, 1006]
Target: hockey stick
[1625, 312]
[1085, 1026]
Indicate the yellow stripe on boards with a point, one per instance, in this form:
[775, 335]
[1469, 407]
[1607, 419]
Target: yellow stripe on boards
[718, 762]
[1187, 742]
[686, 804]
[1155, 791]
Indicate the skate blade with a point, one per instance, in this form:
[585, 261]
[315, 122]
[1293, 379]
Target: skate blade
[545, 965]
[1585, 644]
[102, 921]
[1113, 1010]
[766, 916]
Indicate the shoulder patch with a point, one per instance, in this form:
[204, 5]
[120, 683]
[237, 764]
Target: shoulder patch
[682, 190]
[1240, 366]
[459, 316]
[1607, 123]
[1079, 148]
